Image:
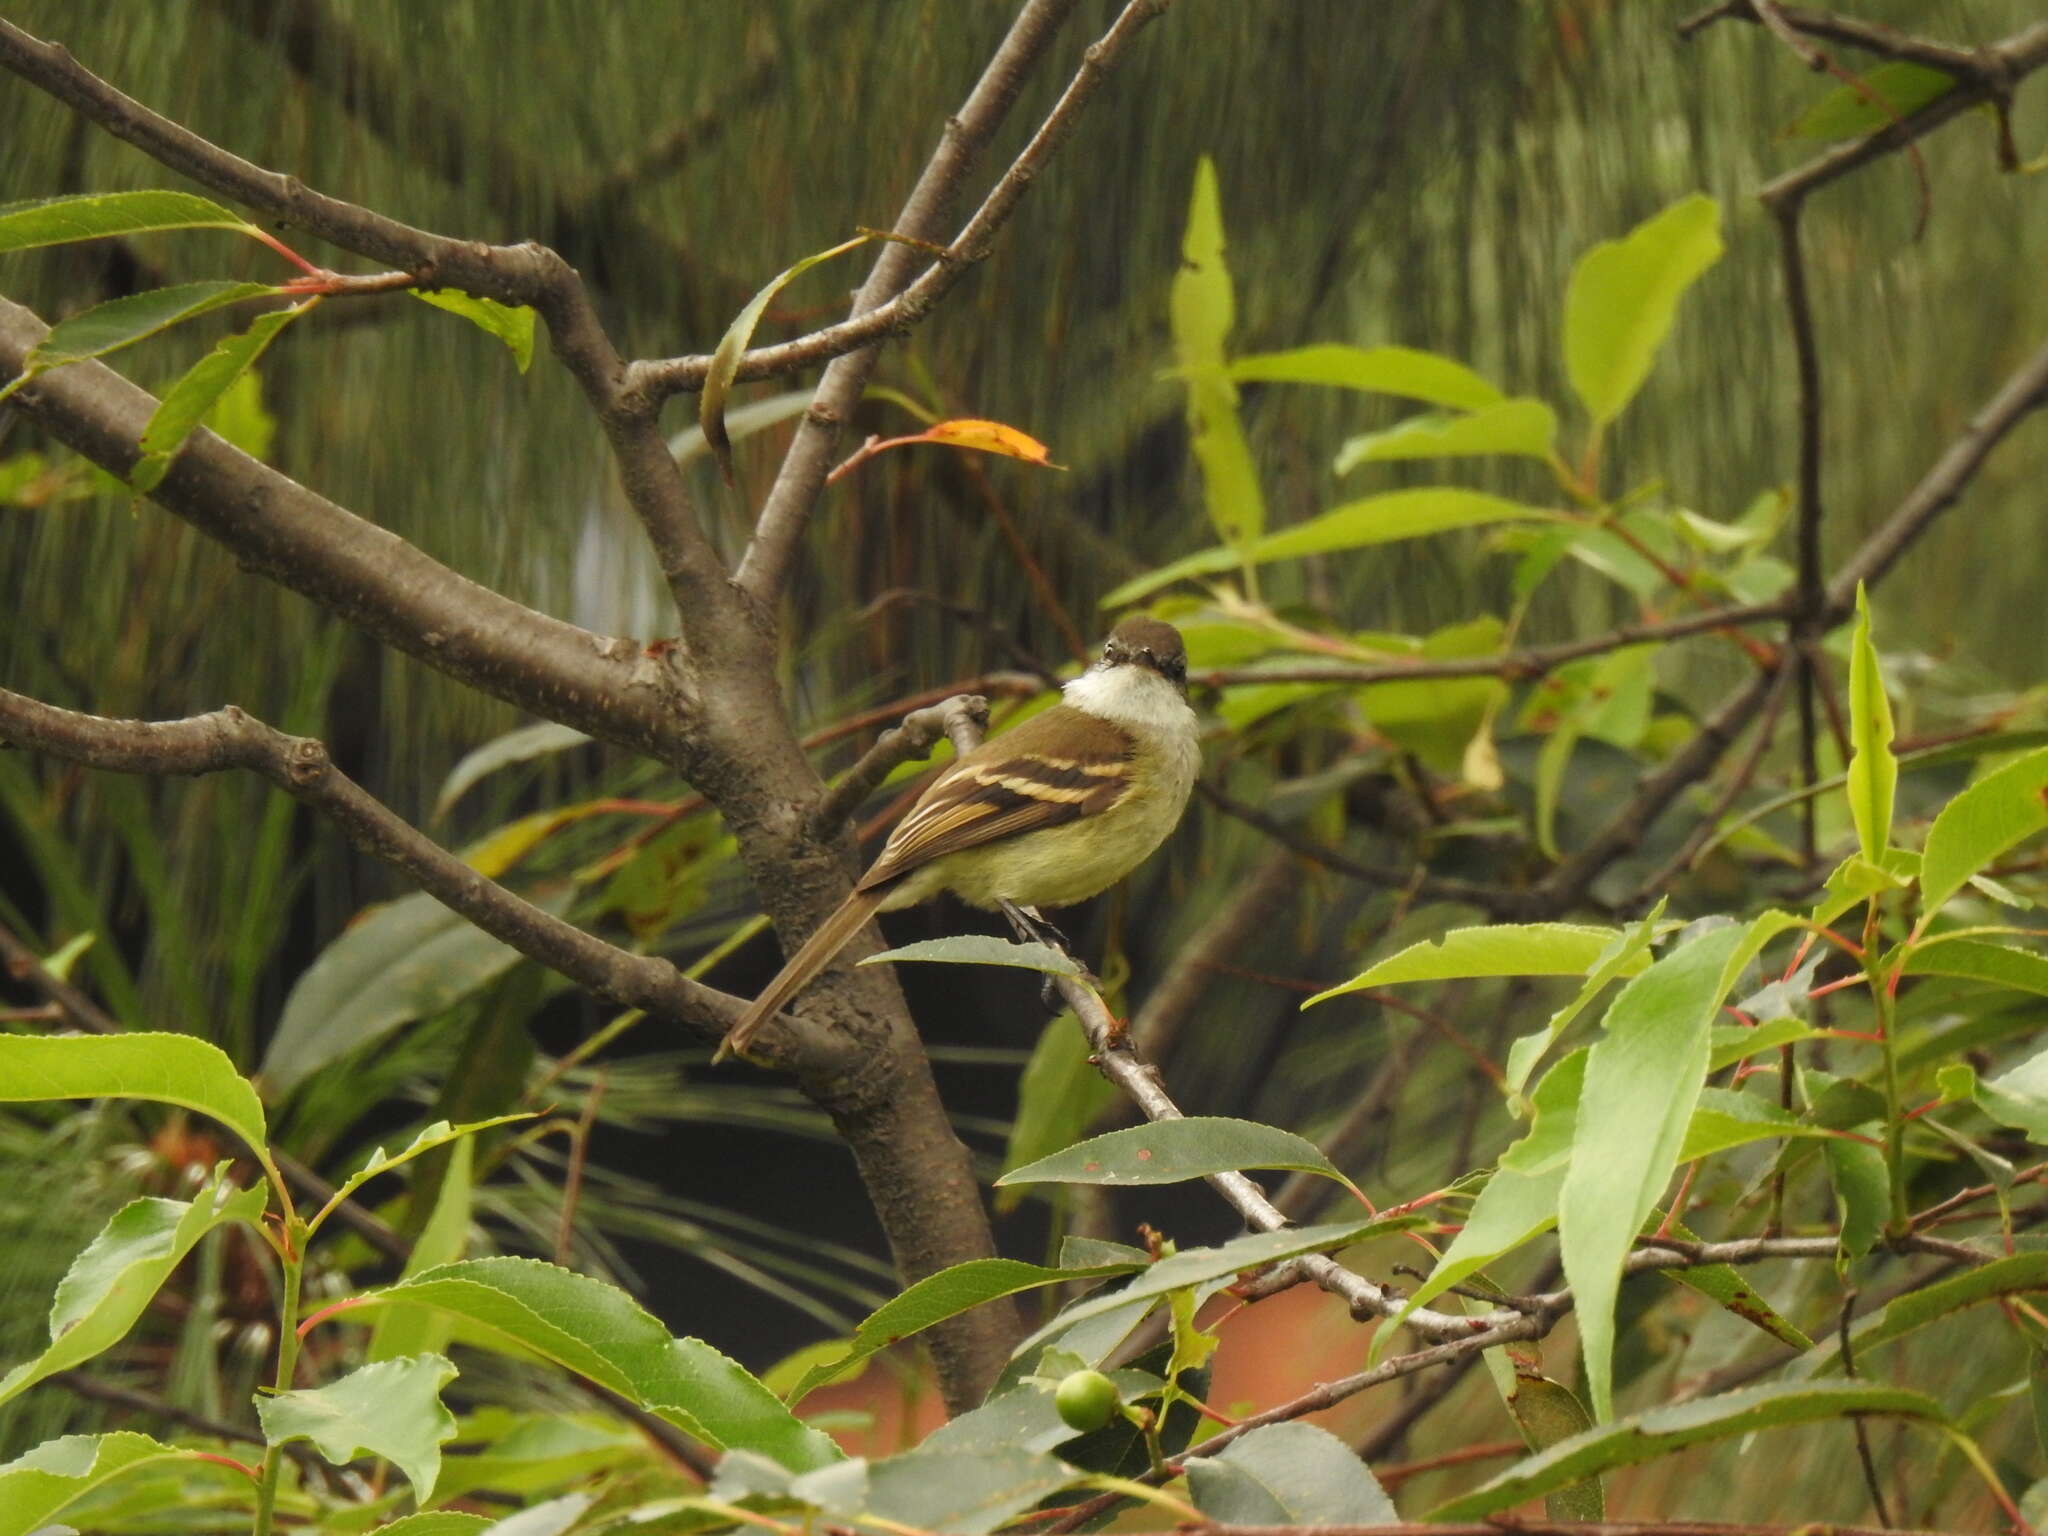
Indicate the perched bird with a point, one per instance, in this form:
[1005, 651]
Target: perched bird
[1045, 815]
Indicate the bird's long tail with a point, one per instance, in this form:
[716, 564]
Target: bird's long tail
[818, 951]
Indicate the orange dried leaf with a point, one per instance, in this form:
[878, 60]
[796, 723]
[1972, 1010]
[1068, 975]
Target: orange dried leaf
[988, 437]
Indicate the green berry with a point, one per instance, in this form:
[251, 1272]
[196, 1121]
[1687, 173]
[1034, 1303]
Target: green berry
[1085, 1400]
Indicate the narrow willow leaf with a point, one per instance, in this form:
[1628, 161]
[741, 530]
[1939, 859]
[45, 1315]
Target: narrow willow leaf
[1513, 1209]
[1202, 309]
[1402, 371]
[2002, 965]
[1288, 1475]
[391, 1409]
[981, 949]
[169, 1069]
[1520, 428]
[1725, 1119]
[60, 220]
[743, 421]
[439, 1522]
[513, 324]
[439, 1134]
[37, 1487]
[948, 1293]
[600, 1332]
[1624, 954]
[1724, 1285]
[732, 346]
[1383, 519]
[2018, 1098]
[1504, 949]
[1995, 814]
[1172, 1151]
[2009, 1276]
[1848, 112]
[1623, 296]
[118, 323]
[1642, 1080]
[400, 1330]
[1661, 1431]
[1548, 1412]
[1873, 771]
[196, 390]
[111, 1282]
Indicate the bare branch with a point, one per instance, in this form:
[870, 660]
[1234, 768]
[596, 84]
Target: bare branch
[764, 569]
[962, 717]
[366, 574]
[1872, 37]
[228, 738]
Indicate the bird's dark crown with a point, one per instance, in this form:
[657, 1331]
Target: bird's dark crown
[1150, 643]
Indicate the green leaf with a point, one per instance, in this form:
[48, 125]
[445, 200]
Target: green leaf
[1171, 1151]
[111, 1282]
[1624, 954]
[1504, 949]
[391, 1409]
[1513, 1209]
[1873, 771]
[1901, 86]
[1202, 309]
[122, 322]
[1642, 1081]
[439, 1134]
[1726, 1118]
[1623, 297]
[1997, 813]
[550, 1519]
[732, 346]
[2021, 969]
[743, 421]
[1288, 1474]
[1724, 1285]
[439, 1522]
[1913, 1311]
[166, 1068]
[1737, 1042]
[981, 949]
[948, 1293]
[513, 324]
[1548, 1412]
[400, 1330]
[1527, 428]
[196, 390]
[1383, 519]
[598, 1331]
[518, 746]
[2019, 1098]
[400, 961]
[1647, 1436]
[970, 1492]
[60, 220]
[1194, 1266]
[1402, 371]
[1863, 1191]
[1058, 1098]
[38, 1486]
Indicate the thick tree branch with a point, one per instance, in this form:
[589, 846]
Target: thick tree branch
[764, 569]
[529, 274]
[228, 738]
[364, 573]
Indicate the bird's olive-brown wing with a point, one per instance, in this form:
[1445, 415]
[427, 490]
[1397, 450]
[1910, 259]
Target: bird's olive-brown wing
[1056, 767]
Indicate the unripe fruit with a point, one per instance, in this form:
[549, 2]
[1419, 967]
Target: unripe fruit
[1085, 1400]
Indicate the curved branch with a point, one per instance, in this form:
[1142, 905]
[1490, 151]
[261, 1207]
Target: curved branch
[962, 717]
[228, 738]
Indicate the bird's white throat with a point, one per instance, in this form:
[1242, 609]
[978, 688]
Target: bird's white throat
[1132, 696]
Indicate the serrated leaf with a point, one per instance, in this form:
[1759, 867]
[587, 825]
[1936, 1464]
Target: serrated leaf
[122, 322]
[111, 1282]
[1522, 428]
[951, 1291]
[1172, 1151]
[1661, 1431]
[391, 1409]
[43, 1483]
[1623, 297]
[2002, 965]
[522, 745]
[513, 324]
[2008, 1276]
[2018, 1098]
[1384, 519]
[1513, 1209]
[1863, 1192]
[1624, 953]
[94, 216]
[1726, 1118]
[1847, 112]
[1873, 771]
[165, 1068]
[732, 346]
[1403, 371]
[1724, 1285]
[971, 1492]
[600, 1332]
[1995, 814]
[1548, 1412]
[400, 961]
[197, 389]
[439, 1522]
[1643, 1078]
[1288, 1475]
[439, 1134]
[1502, 949]
[981, 949]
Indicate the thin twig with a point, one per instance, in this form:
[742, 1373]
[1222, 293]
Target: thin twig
[961, 717]
[1738, 782]
[572, 1179]
[1856, 1420]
